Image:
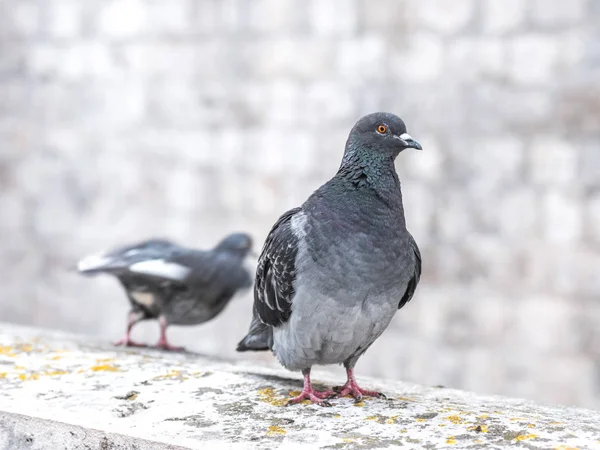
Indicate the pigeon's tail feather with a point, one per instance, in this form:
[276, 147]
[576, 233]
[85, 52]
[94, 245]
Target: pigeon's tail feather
[99, 263]
[259, 338]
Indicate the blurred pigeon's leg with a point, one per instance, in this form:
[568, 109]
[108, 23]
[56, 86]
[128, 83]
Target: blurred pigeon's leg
[132, 319]
[308, 393]
[351, 387]
[162, 341]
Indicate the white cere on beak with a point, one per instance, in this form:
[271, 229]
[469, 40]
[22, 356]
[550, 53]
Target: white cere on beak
[406, 137]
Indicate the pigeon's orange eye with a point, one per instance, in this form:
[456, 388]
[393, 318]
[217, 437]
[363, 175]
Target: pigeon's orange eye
[381, 129]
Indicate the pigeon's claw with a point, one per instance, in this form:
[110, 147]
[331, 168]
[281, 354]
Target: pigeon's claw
[325, 394]
[356, 392]
[352, 388]
[313, 396]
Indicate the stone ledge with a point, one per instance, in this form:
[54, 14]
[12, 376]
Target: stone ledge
[68, 390]
[24, 432]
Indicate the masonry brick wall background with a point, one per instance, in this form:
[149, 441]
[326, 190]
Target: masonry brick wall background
[125, 119]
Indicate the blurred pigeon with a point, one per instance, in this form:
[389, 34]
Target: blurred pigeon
[176, 285]
[333, 272]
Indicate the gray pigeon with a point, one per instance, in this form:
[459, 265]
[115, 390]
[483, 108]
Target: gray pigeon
[176, 285]
[333, 272]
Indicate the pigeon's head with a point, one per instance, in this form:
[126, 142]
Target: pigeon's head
[239, 243]
[381, 132]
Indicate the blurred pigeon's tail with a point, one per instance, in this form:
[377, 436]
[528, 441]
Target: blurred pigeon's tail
[259, 338]
[98, 263]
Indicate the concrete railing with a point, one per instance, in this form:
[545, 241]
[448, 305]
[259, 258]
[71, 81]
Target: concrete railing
[59, 391]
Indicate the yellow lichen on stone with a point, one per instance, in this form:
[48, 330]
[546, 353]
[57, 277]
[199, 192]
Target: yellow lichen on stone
[555, 423]
[54, 373]
[530, 425]
[7, 350]
[54, 358]
[2, 374]
[31, 376]
[526, 437]
[371, 418]
[104, 360]
[275, 431]
[348, 440]
[482, 416]
[456, 420]
[565, 447]
[479, 428]
[104, 368]
[451, 440]
[406, 399]
[392, 420]
[360, 404]
[337, 416]
[173, 374]
[268, 395]
[421, 420]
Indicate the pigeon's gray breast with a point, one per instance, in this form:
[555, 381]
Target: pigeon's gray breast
[348, 286]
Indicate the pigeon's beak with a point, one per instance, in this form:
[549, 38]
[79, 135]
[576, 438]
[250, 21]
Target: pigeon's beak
[408, 141]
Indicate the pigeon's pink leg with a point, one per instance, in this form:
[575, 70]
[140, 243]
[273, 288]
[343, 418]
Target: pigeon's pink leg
[126, 340]
[351, 387]
[162, 341]
[308, 393]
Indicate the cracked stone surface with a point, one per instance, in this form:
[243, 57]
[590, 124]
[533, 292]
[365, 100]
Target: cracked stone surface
[54, 387]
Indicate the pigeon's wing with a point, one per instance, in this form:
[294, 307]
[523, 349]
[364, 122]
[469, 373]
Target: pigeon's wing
[276, 272]
[193, 268]
[414, 280]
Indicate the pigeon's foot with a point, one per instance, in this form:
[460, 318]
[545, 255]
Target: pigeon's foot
[308, 393]
[351, 387]
[316, 397]
[355, 391]
[162, 344]
[126, 342]
[132, 319]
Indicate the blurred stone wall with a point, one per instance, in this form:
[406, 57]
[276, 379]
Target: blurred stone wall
[121, 120]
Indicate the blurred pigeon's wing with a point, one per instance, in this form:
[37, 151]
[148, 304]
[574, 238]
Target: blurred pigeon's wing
[414, 280]
[276, 272]
[161, 268]
[177, 265]
[210, 274]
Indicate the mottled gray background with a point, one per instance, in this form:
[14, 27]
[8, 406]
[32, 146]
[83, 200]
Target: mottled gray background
[121, 120]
